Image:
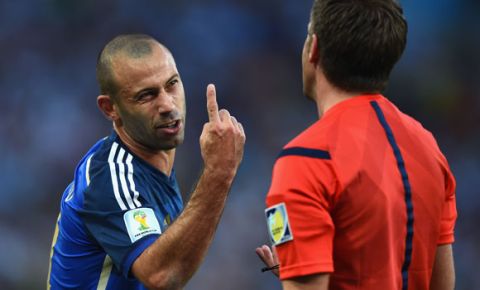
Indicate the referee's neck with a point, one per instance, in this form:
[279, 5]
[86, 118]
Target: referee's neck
[327, 95]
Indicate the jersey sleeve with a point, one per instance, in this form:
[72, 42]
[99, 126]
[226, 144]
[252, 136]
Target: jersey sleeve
[449, 213]
[118, 216]
[299, 202]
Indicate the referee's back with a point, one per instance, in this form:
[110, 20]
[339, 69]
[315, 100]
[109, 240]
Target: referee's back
[383, 199]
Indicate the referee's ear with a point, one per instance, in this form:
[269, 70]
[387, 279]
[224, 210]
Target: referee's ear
[108, 108]
[313, 49]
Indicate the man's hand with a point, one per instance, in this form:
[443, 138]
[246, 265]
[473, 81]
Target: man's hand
[269, 257]
[222, 139]
[165, 264]
[310, 282]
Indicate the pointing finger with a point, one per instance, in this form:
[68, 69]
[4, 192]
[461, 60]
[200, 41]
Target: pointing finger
[212, 105]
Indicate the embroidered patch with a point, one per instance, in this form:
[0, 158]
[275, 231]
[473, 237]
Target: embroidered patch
[278, 224]
[141, 222]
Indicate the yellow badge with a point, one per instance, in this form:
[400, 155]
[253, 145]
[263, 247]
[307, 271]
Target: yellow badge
[278, 224]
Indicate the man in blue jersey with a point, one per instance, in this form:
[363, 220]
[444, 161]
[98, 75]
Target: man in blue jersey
[122, 224]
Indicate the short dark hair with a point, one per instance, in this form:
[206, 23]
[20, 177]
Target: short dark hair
[133, 45]
[359, 41]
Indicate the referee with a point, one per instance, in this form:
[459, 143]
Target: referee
[363, 199]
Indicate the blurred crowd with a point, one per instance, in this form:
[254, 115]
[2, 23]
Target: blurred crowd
[251, 51]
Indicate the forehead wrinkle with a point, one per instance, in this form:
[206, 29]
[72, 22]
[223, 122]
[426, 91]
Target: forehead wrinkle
[159, 65]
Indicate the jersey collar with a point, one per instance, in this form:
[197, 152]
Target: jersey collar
[351, 102]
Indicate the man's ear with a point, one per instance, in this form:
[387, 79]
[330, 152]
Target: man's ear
[313, 51]
[108, 108]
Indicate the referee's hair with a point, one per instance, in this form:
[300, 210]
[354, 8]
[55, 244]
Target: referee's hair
[130, 45]
[359, 41]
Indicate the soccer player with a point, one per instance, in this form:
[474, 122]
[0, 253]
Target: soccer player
[121, 224]
[363, 199]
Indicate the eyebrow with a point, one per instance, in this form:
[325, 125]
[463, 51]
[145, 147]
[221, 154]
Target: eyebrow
[136, 94]
[176, 75]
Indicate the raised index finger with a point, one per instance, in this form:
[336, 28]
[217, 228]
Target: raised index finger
[212, 105]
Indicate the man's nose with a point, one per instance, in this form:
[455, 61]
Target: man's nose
[165, 103]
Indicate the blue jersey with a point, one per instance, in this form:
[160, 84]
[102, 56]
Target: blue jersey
[115, 208]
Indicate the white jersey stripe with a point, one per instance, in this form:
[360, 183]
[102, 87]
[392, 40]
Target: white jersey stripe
[132, 183]
[123, 181]
[87, 169]
[113, 174]
[105, 274]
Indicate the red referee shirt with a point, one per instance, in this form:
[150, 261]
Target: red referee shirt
[363, 194]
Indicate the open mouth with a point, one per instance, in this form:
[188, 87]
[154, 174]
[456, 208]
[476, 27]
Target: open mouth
[170, 128]
[170, 125]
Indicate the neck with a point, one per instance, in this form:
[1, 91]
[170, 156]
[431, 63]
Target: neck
[160, 159]
[327, 96]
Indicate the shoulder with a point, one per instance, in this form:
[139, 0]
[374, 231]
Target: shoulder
[74, 194]
[413, 127]
[314, 137]
[342, 123]
[305, 165]
[112, 179]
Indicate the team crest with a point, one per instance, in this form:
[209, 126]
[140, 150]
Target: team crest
[278, 224]
[141, 222]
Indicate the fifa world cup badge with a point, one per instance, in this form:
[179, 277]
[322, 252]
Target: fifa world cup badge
[278, 224]
[141, 222]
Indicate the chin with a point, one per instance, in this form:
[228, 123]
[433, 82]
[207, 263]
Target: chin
[171, 144]
[309, 96]
[309, 87]
[308, 92]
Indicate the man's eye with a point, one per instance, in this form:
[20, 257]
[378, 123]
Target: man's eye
[145, 96]
[173, 82]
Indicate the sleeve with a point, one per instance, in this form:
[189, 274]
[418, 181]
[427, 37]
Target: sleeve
[299, 202]
[449, 213]
[118, 216]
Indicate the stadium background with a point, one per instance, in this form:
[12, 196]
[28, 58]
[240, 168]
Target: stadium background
[251, 51]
